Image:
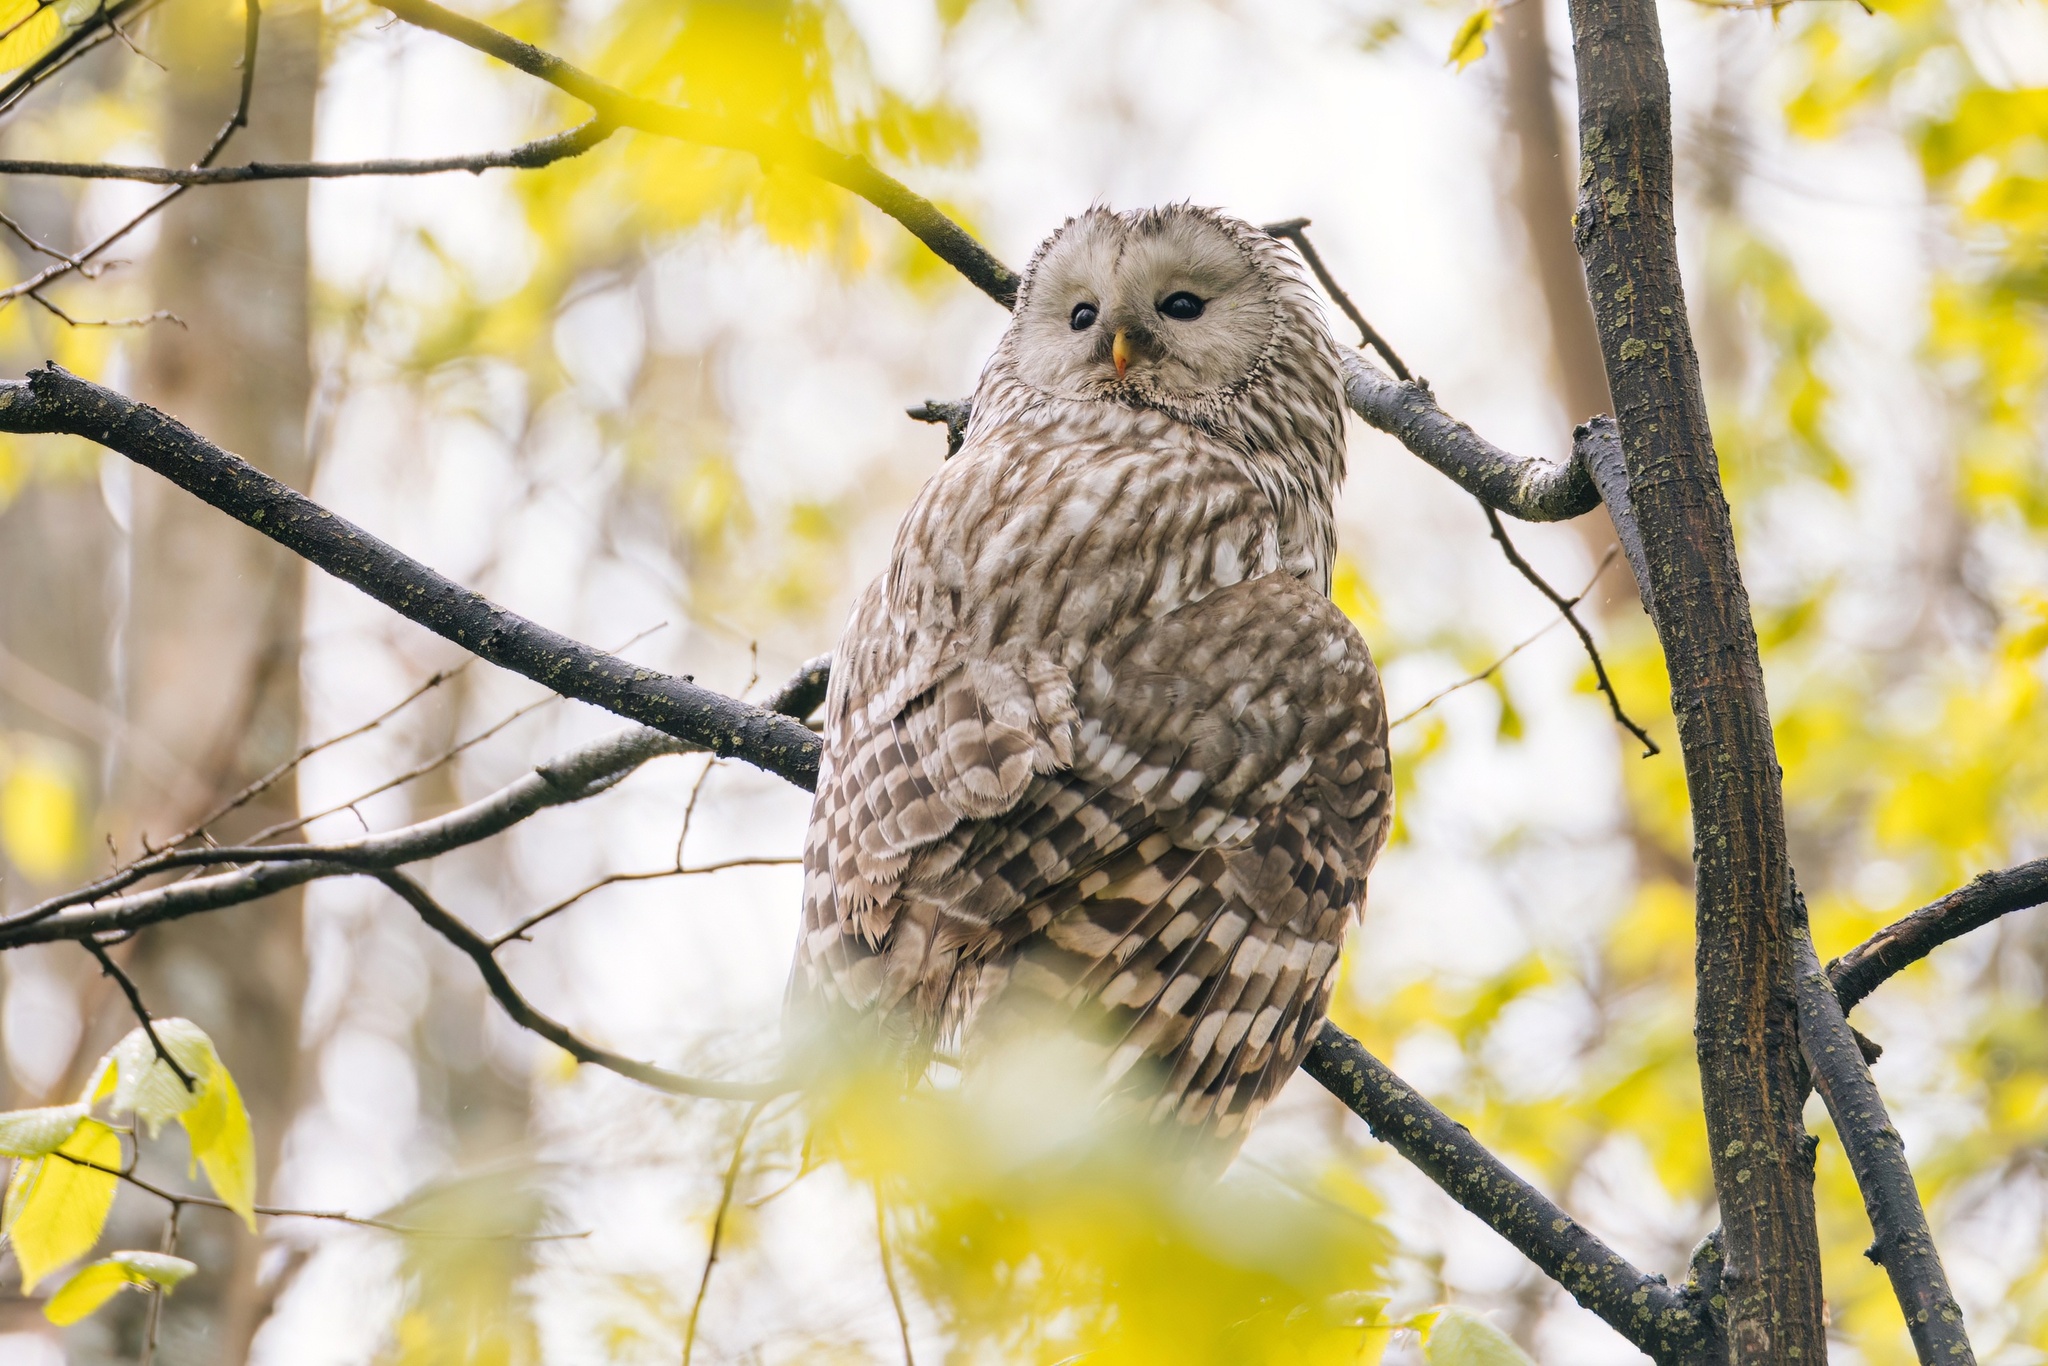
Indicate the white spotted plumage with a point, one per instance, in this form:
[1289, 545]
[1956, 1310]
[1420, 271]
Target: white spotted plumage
[1099, 750]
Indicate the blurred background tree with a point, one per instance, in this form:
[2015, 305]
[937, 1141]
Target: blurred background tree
[651, 396]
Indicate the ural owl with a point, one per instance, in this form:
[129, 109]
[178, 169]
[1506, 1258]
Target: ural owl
[1098, 748]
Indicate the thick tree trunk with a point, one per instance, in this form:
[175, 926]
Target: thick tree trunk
[1752, 1075]
[213, 641]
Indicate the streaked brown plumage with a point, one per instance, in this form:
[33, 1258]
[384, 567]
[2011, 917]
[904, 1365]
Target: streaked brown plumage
[1099, 750]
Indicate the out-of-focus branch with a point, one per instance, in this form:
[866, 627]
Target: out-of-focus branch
[1903, 1245]
[101, 26]
[104, 24]
[1661, 1321]
[527, 156]
[53, 400]
[1904, 942]
[96, 910]
[771, 146]
[181, 1199]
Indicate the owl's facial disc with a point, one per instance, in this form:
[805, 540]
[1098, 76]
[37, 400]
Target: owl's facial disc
[1165, 310]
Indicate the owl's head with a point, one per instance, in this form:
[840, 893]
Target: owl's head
[1184, 310]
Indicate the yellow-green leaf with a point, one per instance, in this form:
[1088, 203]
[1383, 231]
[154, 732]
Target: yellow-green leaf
[211, 1111]
[55, 1209]
[145, 1082]
[35, 1133]
[1459, 1337]
[223, 1144]
[1468, 45]
[94, 1285]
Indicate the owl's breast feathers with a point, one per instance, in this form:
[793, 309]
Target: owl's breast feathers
[1092, 753]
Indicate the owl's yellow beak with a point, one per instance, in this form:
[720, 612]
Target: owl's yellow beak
[1120, 352]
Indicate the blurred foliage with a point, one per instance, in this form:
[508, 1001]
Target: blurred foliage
[1910, 763]
[465, 1269]
[42, 799]
[1040, 1226]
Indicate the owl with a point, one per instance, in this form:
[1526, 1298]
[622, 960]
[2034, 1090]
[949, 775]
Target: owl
[1100, 755]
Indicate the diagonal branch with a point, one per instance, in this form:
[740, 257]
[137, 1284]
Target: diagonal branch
[1903, 1244]
[134, 994]
[1904, 942]
[53, 400]
[1565, 608]
[478, 950]
[1533, 490]
[771, 146]
[1661, 1321]
[1295, 230]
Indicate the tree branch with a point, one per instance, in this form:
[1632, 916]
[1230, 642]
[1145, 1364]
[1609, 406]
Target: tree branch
[1533, 490]
[478, 950]
[1565, 608]
[1643, 1308]
[771, 146]
[1746, 1020]
[180, 1199]
[1295, 230]
[1903, 1245]
[1904, 942]
[99, 27]
[141, 1011]
[53, 400]
[527, 156]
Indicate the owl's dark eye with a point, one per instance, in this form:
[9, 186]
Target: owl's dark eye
[1181, 307]
[1082, 318]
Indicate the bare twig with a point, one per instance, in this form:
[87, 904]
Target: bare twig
[527, 156]
[572, 777]
[1642, 1308]
[168, 1247]
[128, 989]
[1564, 607]
[1521, 645]
[30, 242]
[162, 315]
[182, 1199]
[1295, 230]
[478, 950]
[519, 931]
[276, 775]
[413, 774]
[732, 1176]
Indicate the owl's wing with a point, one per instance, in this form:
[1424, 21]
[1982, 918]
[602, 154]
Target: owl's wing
[1241, 741]
[953, 688]
[1184, 882]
